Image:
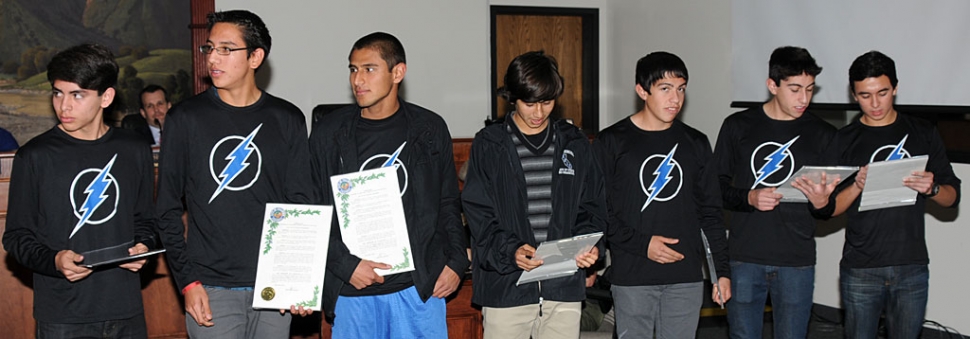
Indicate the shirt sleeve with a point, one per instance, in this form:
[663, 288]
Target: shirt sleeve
[493, 244]
[449, 206]
[939, 165]
[707, 199]
[734, 198]
[172, 169]
[340, 262]
[21, 238]
[619, 235]
[144, 212]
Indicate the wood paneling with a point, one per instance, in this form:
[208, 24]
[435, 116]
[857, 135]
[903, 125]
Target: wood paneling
[559, 36]
[200, 8]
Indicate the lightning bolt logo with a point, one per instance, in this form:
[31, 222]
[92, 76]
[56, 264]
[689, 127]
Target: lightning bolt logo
[238, 161]
[898, 151]
[662, 177]
[774, 162]
[393, 157]
[391, 161]
[95, 195]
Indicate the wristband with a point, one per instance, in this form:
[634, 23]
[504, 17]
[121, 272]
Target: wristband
[190, 286]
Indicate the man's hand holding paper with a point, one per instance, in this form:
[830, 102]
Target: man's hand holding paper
[525, 258]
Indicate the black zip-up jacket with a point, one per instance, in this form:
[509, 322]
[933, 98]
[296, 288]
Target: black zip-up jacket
[496, 207]
[433, 211]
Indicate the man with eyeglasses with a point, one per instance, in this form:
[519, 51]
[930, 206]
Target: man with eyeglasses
[154, 107]
[227, 152]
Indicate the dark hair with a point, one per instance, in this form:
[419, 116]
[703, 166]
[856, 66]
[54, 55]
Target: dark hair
[532, 77]
[872, 65]
[254, 31]
[390, 48]
[791, 61]
[152, 88]
[655, 66]
[90, 66]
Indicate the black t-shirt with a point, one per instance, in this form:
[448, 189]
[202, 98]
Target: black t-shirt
[754, 151]
[660, 183]
[382, 143]
[890, 236]
[227, 162]
[80, 195]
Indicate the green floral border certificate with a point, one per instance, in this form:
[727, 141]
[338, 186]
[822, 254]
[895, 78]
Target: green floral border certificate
[292, 256]
[371, 217]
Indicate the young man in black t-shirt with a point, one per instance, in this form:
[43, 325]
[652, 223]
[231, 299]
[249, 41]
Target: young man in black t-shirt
[382, 130]
[79, 187]
[662, 192]
[772, 244]
[884, 261]
[227, 152]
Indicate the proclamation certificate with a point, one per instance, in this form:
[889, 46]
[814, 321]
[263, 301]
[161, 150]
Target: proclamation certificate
[813, 173]
[884, 183]
[559, 257]
[371, 217]
[292, 256]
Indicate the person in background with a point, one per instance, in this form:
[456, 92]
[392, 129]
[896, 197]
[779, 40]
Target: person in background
[150, 121]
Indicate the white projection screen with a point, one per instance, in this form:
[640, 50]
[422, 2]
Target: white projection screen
[929, 40]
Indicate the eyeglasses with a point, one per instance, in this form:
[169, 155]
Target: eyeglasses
[207, 49]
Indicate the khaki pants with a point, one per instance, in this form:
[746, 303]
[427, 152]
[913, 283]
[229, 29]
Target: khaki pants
[558, 320]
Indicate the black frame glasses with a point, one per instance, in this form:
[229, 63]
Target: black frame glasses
[208, 49]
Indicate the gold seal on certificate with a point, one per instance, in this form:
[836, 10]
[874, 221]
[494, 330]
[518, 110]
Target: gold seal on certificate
[268, 293]
[292, 256]
[371, 217]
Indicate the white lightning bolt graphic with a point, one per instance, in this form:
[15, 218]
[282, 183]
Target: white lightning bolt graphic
[774, 162]
[661, 179]
[237, 162]
[95, 195]
[897, 152]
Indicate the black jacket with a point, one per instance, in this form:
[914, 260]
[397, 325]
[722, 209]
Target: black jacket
[137, 123]
[495, 204]
[433, 215]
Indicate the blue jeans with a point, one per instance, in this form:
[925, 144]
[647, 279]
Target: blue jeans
[900, 291]
[133, 327]
[790, 288]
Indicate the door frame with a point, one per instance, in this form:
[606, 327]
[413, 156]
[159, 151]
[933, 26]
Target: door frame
[590, 57]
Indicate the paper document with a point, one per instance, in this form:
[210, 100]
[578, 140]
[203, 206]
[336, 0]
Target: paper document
[117, 254]
[371, 217]
[884, 183]
[711, 272]
[559, 257]
[292, 256]
[813, 173]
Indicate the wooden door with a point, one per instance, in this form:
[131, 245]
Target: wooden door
[568, 35]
